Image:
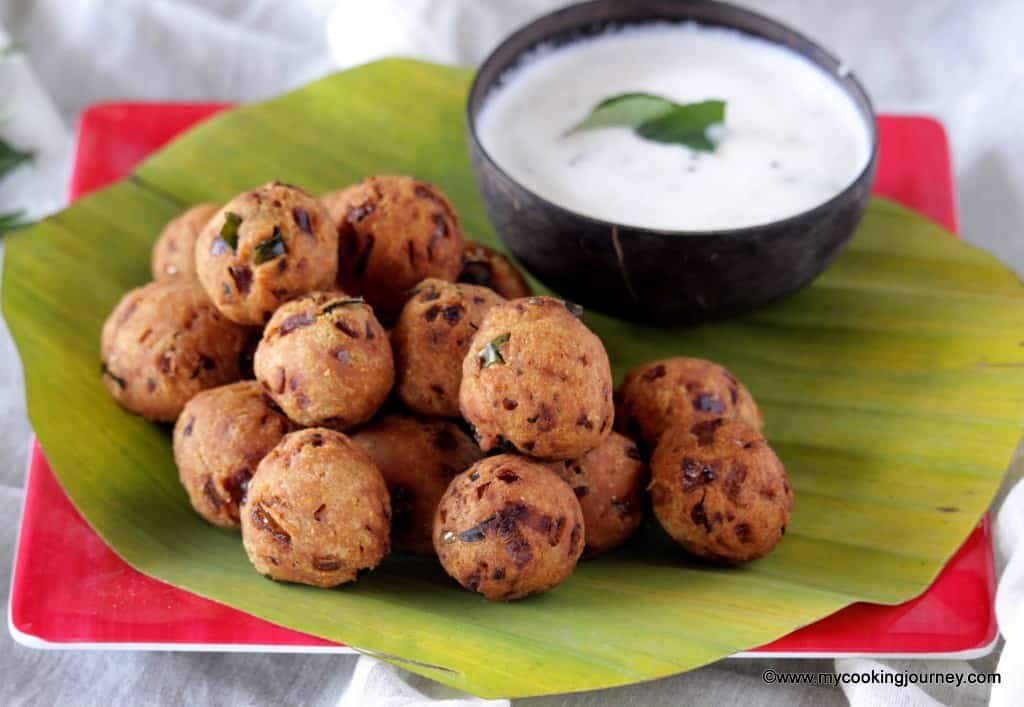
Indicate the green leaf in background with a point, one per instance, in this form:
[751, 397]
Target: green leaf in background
[12, 221]
[9, 50]
[11, 157]
[893, 390]
[658, 119]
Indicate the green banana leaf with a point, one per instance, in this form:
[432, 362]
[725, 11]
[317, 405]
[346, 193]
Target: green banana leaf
[893, 390]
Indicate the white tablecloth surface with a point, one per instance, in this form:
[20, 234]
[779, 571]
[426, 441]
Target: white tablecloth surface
[955, 60]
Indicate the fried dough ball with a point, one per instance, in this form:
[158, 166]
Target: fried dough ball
[317, 511]
[538, 379]
[221, 437]
[174, 253]
[508, 527]
[431, 338]
[610, 482]
[165, 342]
[719, 490]
[326, 360]
[265, 247]
[487, 267]
[679, 390]
[393, 232]
[418, 458]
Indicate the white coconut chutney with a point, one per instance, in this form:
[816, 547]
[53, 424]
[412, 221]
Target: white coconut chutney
[792, 137]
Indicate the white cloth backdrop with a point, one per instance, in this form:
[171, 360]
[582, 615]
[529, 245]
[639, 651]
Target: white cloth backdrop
[959, 61]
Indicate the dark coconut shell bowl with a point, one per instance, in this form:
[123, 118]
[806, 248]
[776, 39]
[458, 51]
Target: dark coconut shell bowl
[657, 275]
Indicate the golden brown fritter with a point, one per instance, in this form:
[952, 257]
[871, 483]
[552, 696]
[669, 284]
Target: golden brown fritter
[508, 527]
[174, 253]
[431, 338]
[326, 360]
[679, 391]
[165, 342]
[610, 482]
[719, 490]
[418, 458]
[393, 232]
[221, 437]
[317, 511]
[538, 379]
[265, 247]
[488, 268]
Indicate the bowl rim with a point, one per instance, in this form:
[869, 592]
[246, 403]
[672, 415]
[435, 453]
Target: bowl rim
[838, 73]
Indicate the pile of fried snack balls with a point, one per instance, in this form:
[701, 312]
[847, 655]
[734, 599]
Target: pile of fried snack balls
[346, 374]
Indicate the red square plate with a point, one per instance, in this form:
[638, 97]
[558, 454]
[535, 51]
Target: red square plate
[71, 591]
